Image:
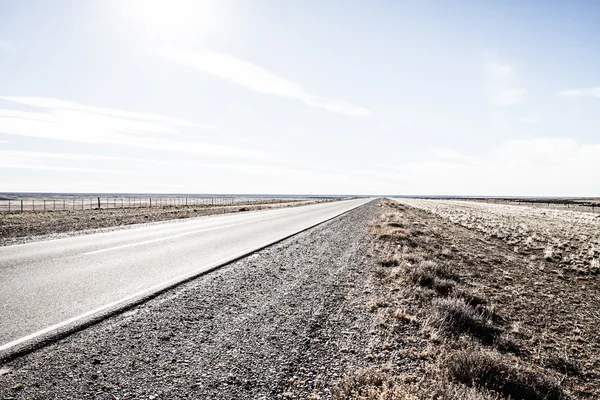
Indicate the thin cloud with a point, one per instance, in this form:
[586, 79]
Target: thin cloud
[532, 119]
[247, 74]
[4, 45]
[77, 162]
[56, 104]
[64, 120]
[502, 84]
[541, 166]
[575, 93]
[46, 162]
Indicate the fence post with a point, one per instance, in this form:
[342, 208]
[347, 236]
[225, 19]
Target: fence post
[98, 202]
[9, 206]
[54, 205]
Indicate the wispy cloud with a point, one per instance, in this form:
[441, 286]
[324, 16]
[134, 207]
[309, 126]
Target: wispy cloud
[575, 93]
[47, 162]
[64, 120]
[541, 166]
[219, 176]
[502, 81]
[254, 77]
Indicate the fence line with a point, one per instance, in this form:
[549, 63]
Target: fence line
[590, 207]
[95, 203]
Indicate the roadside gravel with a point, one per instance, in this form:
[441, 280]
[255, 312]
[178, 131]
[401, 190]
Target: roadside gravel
[285, 322]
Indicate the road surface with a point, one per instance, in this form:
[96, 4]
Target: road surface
[46, 285]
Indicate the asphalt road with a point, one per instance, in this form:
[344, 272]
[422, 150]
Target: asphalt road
[44, 285]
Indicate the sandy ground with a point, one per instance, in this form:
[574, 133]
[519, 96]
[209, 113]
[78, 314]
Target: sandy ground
[31, 226]
[289, 321]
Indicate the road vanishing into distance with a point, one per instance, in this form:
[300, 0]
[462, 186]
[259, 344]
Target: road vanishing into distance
[48, 285]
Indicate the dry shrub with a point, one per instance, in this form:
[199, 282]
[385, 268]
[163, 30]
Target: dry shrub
[371, 384]
[388, 261]
[486, 370]
[470, 298]
[404, 316]
[426, 272]
[453, 316]
[443, 390]
[562, 364]
[443, 287]
[377, 384]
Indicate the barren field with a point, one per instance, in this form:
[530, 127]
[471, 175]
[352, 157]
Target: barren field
[499, 323]
[571, 239]
[28, 226]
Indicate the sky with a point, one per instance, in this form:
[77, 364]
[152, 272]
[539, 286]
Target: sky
[300, 97]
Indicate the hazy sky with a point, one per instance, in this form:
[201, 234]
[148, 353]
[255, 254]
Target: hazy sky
[322, 97]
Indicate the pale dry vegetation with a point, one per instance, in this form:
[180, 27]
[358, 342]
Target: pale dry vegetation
[569, 238]
[493, 322]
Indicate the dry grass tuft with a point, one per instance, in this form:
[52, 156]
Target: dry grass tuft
[485, 370]
[371, 384]
[452, 391]
[427, 271]
[562, 364]
[470, 298]
[453, 316]
[404, 316]
[443, 287]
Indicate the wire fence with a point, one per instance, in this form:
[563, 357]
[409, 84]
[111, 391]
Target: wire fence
[583, 206]
[99, 203]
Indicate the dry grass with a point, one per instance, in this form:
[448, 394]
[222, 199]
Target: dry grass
[453, 316]
[476, 368]
[372, 384]
[505, 326]
[427, 272]
[377, 383]
[569, 238]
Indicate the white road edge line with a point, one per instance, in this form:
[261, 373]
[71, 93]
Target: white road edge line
[155, 288]
[124, 299]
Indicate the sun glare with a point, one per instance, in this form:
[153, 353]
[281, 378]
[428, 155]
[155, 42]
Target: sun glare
[173, 19]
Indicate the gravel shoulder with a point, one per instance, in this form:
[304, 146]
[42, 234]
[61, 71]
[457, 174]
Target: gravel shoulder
[287, 322]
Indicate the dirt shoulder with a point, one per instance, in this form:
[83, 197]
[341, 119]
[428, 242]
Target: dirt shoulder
[287, 322]
[32, 226]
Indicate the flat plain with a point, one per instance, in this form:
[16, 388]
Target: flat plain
[411, 299]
